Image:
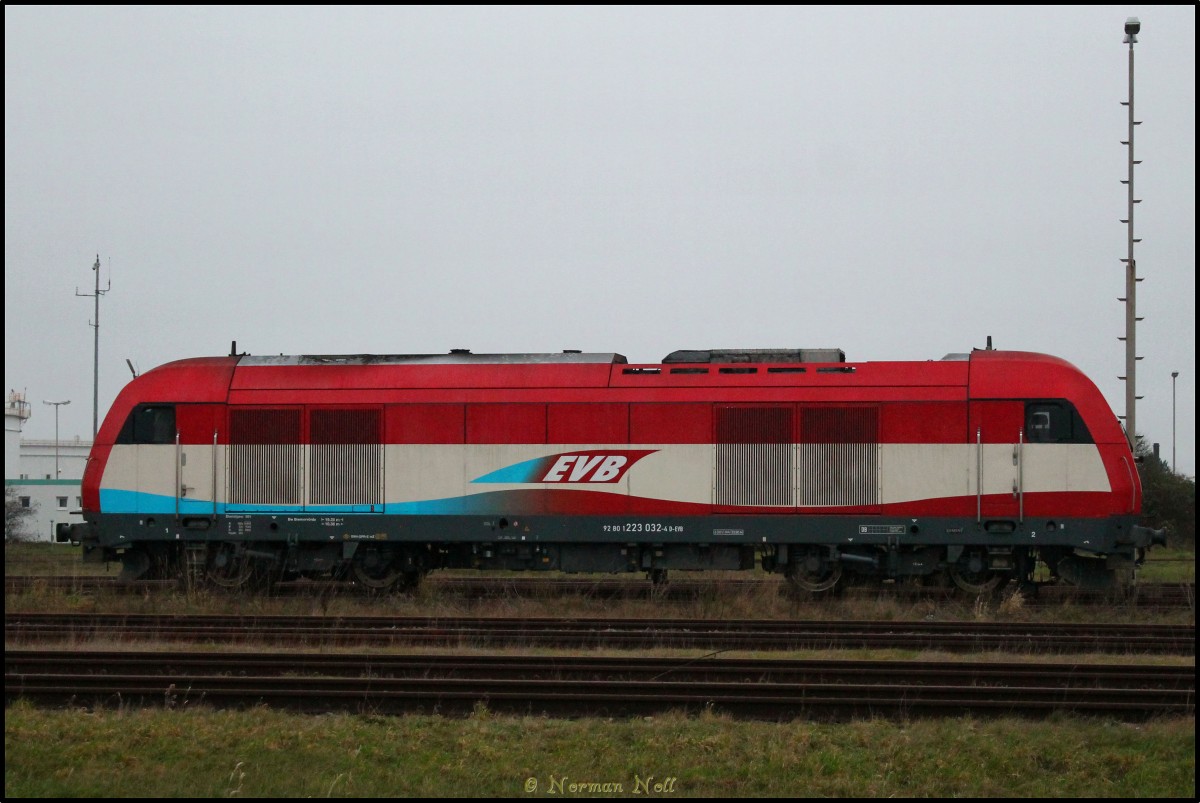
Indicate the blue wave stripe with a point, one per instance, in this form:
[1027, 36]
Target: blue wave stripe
[121, 501]
[517, 472]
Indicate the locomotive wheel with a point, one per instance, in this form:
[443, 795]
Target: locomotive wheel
[229, 568]
[973, 575]
[814, 574]
[135, 563]
[375, 569]
[143, 563]
[409, 581]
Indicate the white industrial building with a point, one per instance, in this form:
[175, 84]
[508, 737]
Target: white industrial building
[44, 474]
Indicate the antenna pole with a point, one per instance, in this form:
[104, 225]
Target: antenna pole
[96, 350]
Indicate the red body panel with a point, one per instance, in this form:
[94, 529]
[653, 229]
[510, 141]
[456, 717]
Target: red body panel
[506, 423]
[598, 422]
[425, 423]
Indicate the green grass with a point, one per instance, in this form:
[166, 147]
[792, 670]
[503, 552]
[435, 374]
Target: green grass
[766, 601]
[1168, 566]
[261, 753]
[56, 560]
[733, 604]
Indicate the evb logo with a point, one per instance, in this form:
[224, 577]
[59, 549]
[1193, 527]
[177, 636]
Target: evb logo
[591, 466]
[587, 468]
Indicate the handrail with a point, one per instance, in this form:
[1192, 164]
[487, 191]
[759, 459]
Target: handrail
[1132, 485]
[979, 475]
[214, 482]
[178, 472]
[1021, 475]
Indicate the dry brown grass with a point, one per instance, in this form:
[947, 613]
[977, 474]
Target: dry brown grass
[766, 600]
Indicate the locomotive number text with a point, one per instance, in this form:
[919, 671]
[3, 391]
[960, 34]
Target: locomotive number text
[643, 527]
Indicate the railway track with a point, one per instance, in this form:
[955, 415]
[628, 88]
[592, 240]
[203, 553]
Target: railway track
[742, 634]
[1166, 596]
[577, 686]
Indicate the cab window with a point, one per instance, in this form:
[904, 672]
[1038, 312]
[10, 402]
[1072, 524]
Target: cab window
[1054, 422]
[149, 423]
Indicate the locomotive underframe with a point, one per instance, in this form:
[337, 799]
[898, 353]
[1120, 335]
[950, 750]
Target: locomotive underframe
[816, 552]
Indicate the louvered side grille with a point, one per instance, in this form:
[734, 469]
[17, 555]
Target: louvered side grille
[266, 457]
[754, 456]
[837, 459]
[346, 458]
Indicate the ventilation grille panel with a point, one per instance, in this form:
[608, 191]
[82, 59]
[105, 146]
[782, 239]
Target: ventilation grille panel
[754, 456]
[266, 457]
[837, 460]
[346, 457]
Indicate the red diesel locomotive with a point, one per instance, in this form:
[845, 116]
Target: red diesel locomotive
[975, 467]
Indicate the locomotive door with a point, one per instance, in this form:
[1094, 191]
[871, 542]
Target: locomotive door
[148, 463]
[197, 458]
[996, 437]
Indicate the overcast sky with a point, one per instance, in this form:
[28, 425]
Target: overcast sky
[899, 183]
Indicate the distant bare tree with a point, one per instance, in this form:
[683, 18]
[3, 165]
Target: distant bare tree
[16, 516]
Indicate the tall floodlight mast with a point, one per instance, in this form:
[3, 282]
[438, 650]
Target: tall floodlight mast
[1132, 27]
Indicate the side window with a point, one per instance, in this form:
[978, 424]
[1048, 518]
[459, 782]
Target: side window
[149, 423]
[1054, 422]
[1040, 421]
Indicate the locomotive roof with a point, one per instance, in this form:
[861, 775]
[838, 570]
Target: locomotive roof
[576, 376]
[571, 357]
[456, 357]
